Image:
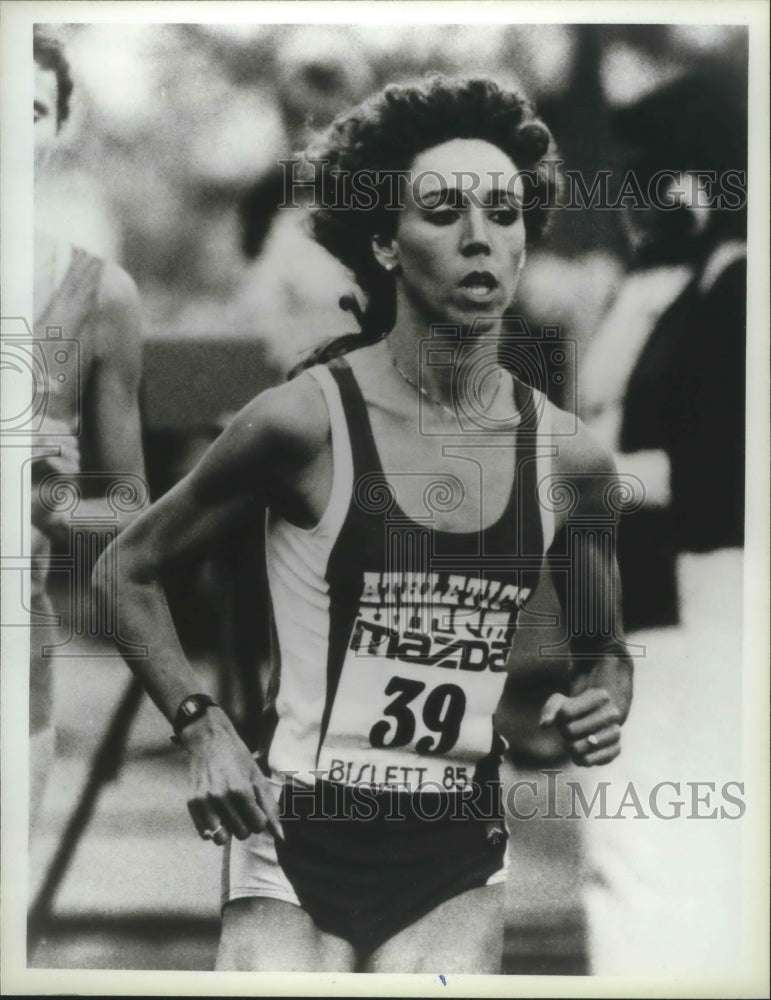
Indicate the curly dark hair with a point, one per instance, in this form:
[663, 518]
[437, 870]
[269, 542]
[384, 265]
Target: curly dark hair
[384, 134]
[48, 53]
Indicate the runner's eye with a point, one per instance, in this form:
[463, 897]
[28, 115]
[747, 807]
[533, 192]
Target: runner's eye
[442, 216]
[504, 216]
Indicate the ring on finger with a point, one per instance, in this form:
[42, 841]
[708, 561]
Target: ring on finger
[211, 834]
[593, 739]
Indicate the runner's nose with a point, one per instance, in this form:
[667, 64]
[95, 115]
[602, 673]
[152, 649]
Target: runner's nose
[475, 239]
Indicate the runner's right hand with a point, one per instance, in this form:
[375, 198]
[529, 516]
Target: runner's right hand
[230, 794]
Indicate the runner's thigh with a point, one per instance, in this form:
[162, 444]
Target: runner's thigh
[463, 934]
[269, 935]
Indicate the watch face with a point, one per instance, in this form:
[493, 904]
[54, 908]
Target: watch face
[191, 709]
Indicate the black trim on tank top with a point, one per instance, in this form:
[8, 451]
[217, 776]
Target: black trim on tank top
[486, 770]
[342, 613]
[363, 448]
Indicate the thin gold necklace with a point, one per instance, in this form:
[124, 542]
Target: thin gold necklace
[435, 402]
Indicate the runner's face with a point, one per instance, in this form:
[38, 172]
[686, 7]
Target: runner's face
[44, 114]
[460, 238]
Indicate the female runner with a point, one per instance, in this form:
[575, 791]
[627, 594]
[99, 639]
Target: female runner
[406, 477]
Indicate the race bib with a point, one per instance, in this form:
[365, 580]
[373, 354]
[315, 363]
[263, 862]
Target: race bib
[422, 675]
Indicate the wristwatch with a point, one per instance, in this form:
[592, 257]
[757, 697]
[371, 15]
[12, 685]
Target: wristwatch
[190, 709]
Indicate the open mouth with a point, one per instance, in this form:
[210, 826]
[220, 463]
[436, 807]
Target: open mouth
[479, 282]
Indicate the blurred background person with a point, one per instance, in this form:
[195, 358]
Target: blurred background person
[91, 421]
[671, 402]
[664, 388]
[319, 71]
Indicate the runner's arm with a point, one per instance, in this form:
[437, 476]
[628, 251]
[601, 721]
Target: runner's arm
[587, 583]
[256, 460]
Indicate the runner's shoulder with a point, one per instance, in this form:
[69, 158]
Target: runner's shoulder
[291, 419]
[578, 450]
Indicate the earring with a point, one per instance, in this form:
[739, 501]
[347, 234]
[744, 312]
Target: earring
[390, 265]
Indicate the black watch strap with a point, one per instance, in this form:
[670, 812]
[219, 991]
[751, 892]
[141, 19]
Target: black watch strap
[190, 709]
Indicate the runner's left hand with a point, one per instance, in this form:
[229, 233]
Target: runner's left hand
[589, 723]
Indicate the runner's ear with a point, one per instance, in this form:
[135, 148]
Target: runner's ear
[385, 252]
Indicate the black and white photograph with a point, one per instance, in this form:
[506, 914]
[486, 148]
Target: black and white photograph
[385, 507]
